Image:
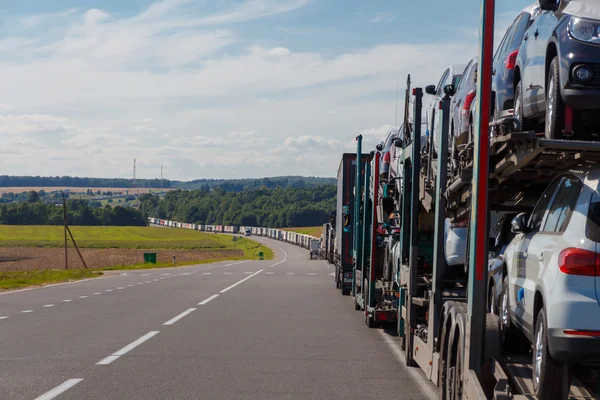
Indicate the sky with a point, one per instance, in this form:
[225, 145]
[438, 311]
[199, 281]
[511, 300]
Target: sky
[216, 88]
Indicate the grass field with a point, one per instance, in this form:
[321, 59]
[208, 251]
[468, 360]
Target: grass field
[122, 237]
[31, 255]
[49, 189]
[310, 230]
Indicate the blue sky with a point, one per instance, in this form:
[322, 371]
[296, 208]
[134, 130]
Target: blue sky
[221, 88]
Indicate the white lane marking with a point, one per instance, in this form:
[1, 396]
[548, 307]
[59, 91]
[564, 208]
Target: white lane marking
[155, 280]
[166, 273]
[332, 274]
[67, 300]
[269, 273]
[63, 387]
[242, 281]
[226, 273]
[247, 272]
[206, 273]
[148, 281]
[145, 274]
[48, 305]
[26, 311]
[120, 288]
[203, 302]
[425, 385]
[127, 348]
[140, 283]
[177, 318]
[291, 273]
[241, 262]
[108, 290]
[83, 297]
[130, 285]
[56, 284]
[311, 273]
[284, 258]
[186, 273]
[4, 317]
[97, 293]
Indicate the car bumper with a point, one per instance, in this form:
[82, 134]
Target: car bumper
[577, 95]
[571, 349]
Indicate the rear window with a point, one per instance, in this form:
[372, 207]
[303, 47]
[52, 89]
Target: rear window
[592, 227]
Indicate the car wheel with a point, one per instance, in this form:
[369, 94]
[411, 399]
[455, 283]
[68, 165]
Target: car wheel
[555, 106]
[492, 301]
[548, 380]
[518, 113]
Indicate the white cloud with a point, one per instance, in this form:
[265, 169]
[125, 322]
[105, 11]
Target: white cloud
[180, 85]
[383, 17]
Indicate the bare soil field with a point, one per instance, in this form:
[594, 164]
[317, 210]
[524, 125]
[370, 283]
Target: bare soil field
[37, 258]
[78, 189]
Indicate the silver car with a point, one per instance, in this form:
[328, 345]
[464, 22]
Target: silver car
[553, 267]
[451, 76]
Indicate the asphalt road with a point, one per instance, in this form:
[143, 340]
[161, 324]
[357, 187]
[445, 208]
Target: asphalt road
[273, 329]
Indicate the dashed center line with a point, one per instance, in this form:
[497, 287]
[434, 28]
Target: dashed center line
[248, 272]
[120, 288]
[311, 273]
[145, 274]
[269, 273]
[226, 273]
[26, 311]
[178, 317]
[242, 281]
[206, 273]
[67, 300]
[203, 302]
[291, 273]
[130, 285]
[166, 273]
[4, 317]
[127, 348]
[48, 305]
[108, 290]
[148, 281]
[63, 387]
[97, 293]
[83, 297]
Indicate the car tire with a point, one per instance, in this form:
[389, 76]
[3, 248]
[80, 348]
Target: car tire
[548, 380]
[555, 106]
[518, 113]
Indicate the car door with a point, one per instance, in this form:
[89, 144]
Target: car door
[459, 97]
[518, 257]
[547, 241]
[432, 109]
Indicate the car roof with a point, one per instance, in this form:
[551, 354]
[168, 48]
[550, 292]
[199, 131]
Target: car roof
[457, 68]
[530, 9]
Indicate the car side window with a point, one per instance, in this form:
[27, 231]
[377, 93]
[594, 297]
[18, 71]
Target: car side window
[513, 34]
[562, 206]
[517, 38]
[462, 80]
[505, 40]
[440, 87]
[535, 222]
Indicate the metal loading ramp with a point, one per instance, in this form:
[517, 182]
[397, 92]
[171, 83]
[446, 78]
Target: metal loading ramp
[521, 166]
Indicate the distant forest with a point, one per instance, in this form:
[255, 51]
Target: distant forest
[227, 185]
[268, 207]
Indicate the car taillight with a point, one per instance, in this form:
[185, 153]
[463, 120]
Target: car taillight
[574, 261]
[468, 101]
[386, 158]
[511, 60]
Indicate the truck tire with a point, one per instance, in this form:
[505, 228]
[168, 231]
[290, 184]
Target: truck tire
[550, 378]
[555, 106]
[370, 321]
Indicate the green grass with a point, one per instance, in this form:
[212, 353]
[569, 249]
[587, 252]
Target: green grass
[116, 237]
[126, 237]
[20, 279]
[310, 230]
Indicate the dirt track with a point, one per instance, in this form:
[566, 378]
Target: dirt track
[32, 258]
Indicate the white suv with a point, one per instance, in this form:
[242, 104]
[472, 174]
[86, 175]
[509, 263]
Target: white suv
[553, 266]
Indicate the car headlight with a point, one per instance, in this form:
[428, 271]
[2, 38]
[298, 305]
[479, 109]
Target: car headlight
[585, 30]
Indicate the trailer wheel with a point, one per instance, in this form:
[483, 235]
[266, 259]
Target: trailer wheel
[370, 320]
[555, 106]
[550, 378]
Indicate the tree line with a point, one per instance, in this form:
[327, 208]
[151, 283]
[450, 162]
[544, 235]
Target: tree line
[228, 185]
[268, 207]
[79, 212]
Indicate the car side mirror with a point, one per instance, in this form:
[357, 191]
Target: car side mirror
[519, 223]
[430, 89]
[449, 90]
[398, 143]
[549, 5]
[379, 147]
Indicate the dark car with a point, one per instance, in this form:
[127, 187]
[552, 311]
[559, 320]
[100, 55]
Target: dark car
[460, 108]
[505, 60]
[557, 77]
[500, 236]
